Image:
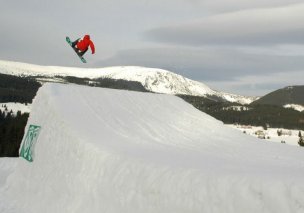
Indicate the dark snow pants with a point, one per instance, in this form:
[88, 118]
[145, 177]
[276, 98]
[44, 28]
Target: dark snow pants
[81, 53]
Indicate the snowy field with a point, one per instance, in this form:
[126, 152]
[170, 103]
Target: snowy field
[114, 151]
[271, 134]
[15, 107]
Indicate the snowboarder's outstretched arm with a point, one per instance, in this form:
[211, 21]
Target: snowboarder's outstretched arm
[92, 47]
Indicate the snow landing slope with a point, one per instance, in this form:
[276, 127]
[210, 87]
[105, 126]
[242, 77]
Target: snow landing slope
[155, 80]
[114, 151]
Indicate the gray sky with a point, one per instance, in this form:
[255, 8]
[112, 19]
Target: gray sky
[248, 47]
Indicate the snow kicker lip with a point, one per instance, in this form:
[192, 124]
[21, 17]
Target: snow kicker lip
[104, 150]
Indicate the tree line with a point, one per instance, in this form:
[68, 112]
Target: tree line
[255, 115]
[16, 89]
[11, 132]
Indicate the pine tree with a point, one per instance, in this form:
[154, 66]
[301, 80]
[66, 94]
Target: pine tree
[301, 141]
[265, 126]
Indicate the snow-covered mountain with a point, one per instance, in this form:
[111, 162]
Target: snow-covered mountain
[292, 96]
[297, 107]
[155, 80]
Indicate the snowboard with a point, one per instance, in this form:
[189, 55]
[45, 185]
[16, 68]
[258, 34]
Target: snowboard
[70, 43]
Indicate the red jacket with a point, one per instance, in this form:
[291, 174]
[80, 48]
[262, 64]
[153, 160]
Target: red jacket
[83, 44]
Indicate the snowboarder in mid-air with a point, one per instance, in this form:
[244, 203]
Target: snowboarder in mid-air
[81, 46]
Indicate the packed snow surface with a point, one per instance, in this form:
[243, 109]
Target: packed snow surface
[287, 136]
[155, 80]
[103, 150]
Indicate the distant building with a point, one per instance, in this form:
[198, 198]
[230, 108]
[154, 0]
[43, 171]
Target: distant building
[284, 132]
[246, 127]
[261, 134]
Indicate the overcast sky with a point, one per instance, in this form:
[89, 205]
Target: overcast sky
[248, 47]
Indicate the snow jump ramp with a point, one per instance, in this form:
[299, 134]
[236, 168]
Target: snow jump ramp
[114, 151]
